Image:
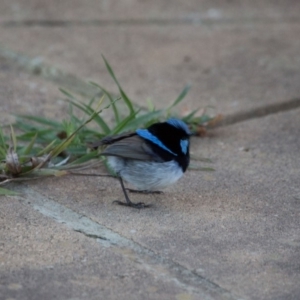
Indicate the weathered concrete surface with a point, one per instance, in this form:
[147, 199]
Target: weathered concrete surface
[70, 10]
[45, 260]
[228, 234]
[237, 226]
[23, 93]
[232, 66]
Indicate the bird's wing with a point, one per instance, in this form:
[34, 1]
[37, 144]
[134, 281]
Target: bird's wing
[132, 147]
[111, 139]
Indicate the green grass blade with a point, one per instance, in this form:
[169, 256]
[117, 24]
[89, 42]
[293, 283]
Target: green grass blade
[2, 153]
[13, 138]
[28, 149]
[31, 134]
[3, 147]
[190, 116]
[98, 119]
[150, 104]
[141, 121]
[62, 146]
[180, 97]
[43, 136]
[66, 93]
[85, 158]
[47, 148]
[123, 94]
[76, 120]
[2, 139]
[90, 111]
[112, 101]
[127, 100]
[42, 120]
[79, 106]
[24, 126]
[122, 125]
[91, 102]
[6, 192]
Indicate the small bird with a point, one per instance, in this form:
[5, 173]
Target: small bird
[149, 159]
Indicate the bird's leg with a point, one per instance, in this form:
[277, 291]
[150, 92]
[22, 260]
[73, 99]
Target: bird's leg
[128, 201]
[144, 191]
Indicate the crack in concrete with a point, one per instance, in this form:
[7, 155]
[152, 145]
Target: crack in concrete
[258, 112]
[146, 259]
[190, 20]
[93, 236]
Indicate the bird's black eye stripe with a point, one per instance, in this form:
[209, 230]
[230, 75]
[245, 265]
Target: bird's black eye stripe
[146, 134]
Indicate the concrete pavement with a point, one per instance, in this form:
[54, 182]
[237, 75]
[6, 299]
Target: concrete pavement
[228, 234]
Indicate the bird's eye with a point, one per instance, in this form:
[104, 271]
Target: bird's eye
[184, 146]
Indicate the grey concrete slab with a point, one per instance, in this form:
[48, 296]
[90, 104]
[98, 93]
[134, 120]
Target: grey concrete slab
[133, 9]
[231, 67]
[230, 234]
[23, 93]
[237, 227]
[41, 259]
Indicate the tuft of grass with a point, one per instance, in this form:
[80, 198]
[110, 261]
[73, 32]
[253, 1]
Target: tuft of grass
[38, 147]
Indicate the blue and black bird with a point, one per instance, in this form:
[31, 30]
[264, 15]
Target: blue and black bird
[149, 159]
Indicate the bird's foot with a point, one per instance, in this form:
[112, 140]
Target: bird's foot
[144, 191]
[138, 205]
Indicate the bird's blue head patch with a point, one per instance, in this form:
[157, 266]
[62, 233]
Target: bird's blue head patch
[179, 124]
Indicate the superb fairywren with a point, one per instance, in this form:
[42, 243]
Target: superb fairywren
[149, 159]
